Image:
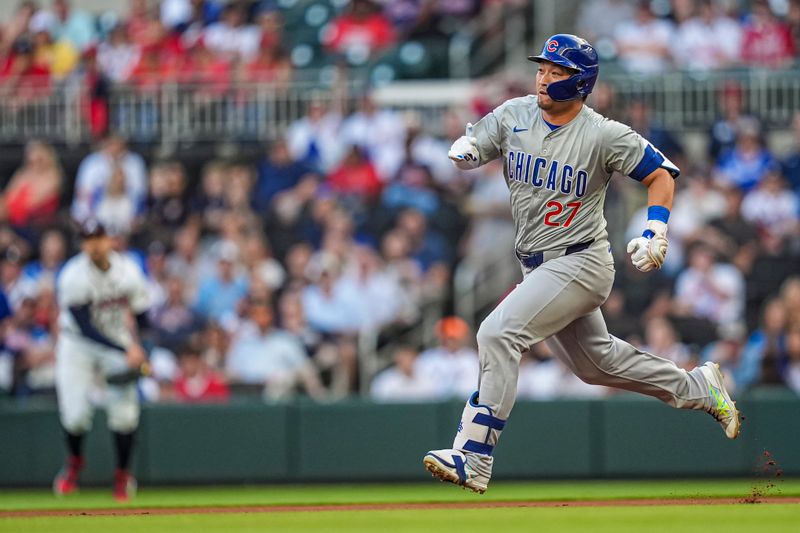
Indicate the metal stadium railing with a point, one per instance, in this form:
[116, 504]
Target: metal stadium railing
[173, 113]
[691, 101]
[169, 114]
[55, 115]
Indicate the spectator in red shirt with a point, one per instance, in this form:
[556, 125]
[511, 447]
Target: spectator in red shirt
[356, 176]
[33, 194]
[360, 32]
[25, 80]
[196, 382]
[270, 25]
[143, 25]
[150, 72]
[211, 73]
[164, 61]
[270, 65]
[97, 88]
[767, 40]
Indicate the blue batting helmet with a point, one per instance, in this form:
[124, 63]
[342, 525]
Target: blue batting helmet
[575, 54]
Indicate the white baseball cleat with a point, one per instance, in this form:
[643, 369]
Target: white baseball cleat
[469, 470]
[722, 408]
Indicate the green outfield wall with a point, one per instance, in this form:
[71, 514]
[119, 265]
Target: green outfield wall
[357, 440]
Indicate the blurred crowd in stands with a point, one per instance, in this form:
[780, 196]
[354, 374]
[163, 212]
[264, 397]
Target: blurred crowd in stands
[214, 49]
[212, 41]
[217, 42]
[650, 37]
[263, 273]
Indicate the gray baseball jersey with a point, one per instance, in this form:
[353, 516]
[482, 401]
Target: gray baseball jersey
[111, 295]
[558, 176]
[558, 179]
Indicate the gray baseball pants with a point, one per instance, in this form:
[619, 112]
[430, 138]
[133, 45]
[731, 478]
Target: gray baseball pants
[559, 301]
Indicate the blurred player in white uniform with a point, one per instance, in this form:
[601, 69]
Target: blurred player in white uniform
[103, 299]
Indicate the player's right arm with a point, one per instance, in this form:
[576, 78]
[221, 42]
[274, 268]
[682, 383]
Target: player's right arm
[82, 315]
[479, 144]
[74, 297]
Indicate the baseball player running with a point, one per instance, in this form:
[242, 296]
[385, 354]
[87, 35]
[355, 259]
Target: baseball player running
[98, 292]
[559, 156]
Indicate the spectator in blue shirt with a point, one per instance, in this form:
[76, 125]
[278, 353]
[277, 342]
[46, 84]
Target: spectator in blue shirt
[791, 165]
[748, 162]
[428, 247]
[277, 172]
[412, 188]
[174, 321]
[52, 253]
[69, 24]
[769, 339]
[264, 354]
[5, 309]
[220, 293]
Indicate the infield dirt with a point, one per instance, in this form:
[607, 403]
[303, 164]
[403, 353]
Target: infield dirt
[395, 507]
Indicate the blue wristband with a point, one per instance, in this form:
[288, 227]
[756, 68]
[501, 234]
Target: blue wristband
[658, 212]
[655, 212]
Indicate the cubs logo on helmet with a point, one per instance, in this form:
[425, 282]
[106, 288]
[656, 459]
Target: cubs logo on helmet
[575, 54]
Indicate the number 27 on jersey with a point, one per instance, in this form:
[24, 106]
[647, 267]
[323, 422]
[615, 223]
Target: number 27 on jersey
[555, 209]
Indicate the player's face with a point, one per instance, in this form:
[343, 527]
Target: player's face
[97, 248]
[548, 73]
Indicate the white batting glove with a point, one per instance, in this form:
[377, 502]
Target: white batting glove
[464, 151]
[648, 253]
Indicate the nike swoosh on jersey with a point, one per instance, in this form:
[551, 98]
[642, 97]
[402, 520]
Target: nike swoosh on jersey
[517, 130]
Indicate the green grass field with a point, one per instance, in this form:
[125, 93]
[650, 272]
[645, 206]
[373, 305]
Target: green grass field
[685, 518]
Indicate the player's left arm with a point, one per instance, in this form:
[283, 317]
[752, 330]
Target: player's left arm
[629, 153]
[660, 188]
[650, 250]
[139, 299]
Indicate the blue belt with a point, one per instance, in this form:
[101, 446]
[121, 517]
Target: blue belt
[536, 259]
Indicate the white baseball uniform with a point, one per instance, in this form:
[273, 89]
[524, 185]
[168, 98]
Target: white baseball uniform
[111, 297]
